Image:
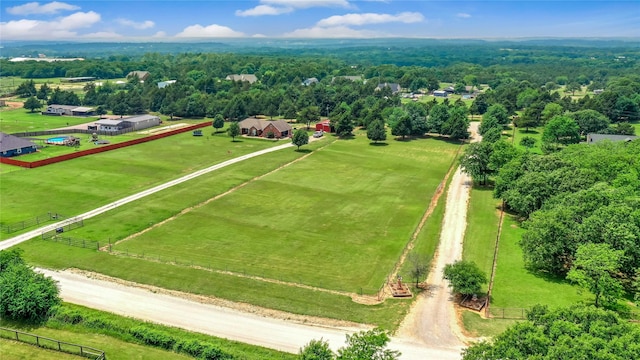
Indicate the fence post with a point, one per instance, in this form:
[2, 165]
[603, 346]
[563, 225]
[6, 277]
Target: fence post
[81, 351]
[59, 347]
[38, 340]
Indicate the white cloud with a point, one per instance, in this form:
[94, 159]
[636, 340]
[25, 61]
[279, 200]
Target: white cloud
[370, 18]
[102, 35]
[36, 8]
[331, 32]
[261, 10]
[278, 7]
[463, 15]
[304, 4]
[136, 25]
[198, 31]
[61, 28]
[160, 34]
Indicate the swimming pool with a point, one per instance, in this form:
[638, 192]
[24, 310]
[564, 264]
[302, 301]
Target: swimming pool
[57, 140]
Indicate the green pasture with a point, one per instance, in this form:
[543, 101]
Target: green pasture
[75, 186]
[482, 228]
[477, 326]
[21, 120]
[337, 220]
[535, 133]
[15, 350]
[516, 287]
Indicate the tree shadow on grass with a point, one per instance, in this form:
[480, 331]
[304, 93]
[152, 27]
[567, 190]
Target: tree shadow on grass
[303, 151]
[236, 141]
[378, 144]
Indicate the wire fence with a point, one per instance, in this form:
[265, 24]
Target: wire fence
[40, 219]
[70, 224]
[507, 313]
[52, 344]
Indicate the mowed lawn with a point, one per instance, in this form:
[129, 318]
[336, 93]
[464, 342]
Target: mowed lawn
[75, 186]
[338, 219]
[517, 287]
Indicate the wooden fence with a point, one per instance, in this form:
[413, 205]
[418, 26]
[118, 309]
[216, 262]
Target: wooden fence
[52, 344]
[110, 147]
[507, 313]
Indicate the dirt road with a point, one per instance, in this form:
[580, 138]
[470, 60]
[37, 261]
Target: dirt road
[213, 320]
[432, 320]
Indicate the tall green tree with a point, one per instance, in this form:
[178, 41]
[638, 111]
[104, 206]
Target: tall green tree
[316, 350]
[499, 112]
[475, 161]
[308, 115]
[233, 130]
[561, 130]
[299, 138]
[465, 277]
[218, 122]
[376, 131]
[400, 122]
[590, 121]
[25, 294]
[367, 345]
[32, 104]
[438, 115]
[573, 333]
[458, 124]
[594, 268]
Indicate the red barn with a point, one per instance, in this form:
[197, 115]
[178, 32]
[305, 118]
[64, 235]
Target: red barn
[325, 126]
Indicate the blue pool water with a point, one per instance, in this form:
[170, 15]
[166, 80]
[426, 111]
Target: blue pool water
[57, 140]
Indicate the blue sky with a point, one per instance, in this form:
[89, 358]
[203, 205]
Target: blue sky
[165, 20]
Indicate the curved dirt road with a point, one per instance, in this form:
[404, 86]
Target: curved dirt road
[432, 319]
[214, 320]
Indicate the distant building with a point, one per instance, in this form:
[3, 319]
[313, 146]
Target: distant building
[309, 81]
[265, 128]
[440, 93]
[350, 78]
[598, 91]
[13, 146]
[69, 110]
[395, 88]
[164, 84]
[142, 75]
[596, 138]
[138, 122]
[325, 126]
[250, 78]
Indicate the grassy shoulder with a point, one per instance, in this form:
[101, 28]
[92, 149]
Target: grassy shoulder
[120, 337]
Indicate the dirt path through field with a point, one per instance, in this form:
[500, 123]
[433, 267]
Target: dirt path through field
[432, 319]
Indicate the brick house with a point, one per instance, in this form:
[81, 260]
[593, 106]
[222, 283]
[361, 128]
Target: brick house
[265, 128]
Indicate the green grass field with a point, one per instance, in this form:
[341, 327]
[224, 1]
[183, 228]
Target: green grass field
[516, 287]
[482, 228]
[336, 220]
[349, 183]
[21, 120]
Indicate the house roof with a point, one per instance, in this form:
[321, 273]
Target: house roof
[348, 77]
[393, 86]
[594, 138]
[163, 84]
[139, 118]
[260, 124]
[109, 122]
[66, 107]
[242, 77]
[310, 81]
[11, 142]
[142, 75]
[82, 109]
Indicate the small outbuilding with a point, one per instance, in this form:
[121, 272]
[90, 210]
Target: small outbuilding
[70, 110]
[440, 93]
[11, 145]
[250, 78]
[596, 138]
[324, 126]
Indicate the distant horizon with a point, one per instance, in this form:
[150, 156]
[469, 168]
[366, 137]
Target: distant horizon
[168, 21]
